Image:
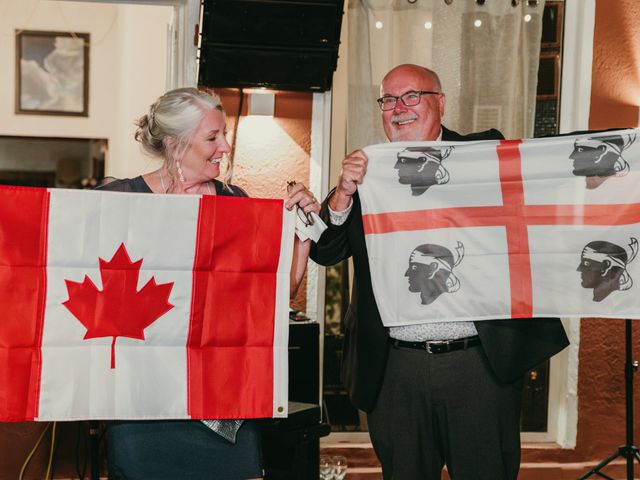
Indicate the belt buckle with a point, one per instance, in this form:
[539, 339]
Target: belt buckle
[428, 345]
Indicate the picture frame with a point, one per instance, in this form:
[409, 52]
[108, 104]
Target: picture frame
[52, 73]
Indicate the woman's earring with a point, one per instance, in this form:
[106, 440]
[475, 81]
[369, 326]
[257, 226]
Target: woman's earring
[180, 175]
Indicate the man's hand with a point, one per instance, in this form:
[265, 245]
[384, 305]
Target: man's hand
[354, 168]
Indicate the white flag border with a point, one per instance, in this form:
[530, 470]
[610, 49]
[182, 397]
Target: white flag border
[281, 318]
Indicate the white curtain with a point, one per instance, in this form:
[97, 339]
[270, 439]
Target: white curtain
[486, 57]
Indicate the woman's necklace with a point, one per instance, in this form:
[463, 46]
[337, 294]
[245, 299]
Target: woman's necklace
[164, 188]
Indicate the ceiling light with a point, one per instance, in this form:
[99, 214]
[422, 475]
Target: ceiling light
[262, 103]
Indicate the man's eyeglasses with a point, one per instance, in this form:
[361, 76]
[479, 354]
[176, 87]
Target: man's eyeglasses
[411, 98]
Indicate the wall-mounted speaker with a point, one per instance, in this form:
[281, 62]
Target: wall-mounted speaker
[275, 44]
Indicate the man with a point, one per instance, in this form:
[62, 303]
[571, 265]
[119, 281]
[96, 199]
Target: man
[435, 394]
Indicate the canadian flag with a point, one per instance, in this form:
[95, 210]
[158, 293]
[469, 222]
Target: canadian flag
[504, 229]
[138, 306]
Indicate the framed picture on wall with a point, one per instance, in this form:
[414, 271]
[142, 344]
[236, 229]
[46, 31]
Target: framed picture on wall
[52, 73]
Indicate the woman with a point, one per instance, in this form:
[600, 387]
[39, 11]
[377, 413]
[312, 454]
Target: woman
[186, 129]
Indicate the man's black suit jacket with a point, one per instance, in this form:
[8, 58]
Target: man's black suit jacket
[512, 346]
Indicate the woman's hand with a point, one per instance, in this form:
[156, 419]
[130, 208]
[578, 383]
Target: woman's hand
[300, 195]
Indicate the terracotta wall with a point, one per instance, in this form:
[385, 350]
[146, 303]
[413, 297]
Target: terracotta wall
[271, 151]
[615, 87]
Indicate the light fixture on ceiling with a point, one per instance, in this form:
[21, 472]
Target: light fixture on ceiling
[262, 103]
[480, 2]
[448, 2]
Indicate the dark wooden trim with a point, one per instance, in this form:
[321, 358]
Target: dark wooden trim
[558, 8]
[556, 76]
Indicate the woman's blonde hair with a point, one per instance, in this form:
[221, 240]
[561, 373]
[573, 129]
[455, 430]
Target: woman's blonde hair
[176, 116]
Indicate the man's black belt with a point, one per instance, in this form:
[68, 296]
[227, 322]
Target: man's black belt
[439, 346]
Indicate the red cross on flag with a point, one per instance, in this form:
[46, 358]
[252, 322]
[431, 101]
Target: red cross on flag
[504, 229]
[138, 306]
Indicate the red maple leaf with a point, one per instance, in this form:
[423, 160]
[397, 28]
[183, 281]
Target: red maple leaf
[119, 310]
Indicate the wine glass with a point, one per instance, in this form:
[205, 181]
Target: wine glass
[326, 467]
[339, 467]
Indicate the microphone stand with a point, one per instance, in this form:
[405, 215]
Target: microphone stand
[628, 451]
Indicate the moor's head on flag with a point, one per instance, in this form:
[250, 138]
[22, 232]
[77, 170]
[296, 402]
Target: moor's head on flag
[603, 267]
[600, 157]
[430, 271]
[421, 167]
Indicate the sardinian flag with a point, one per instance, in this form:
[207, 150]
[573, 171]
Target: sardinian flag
[504, 229]
[138, 306]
